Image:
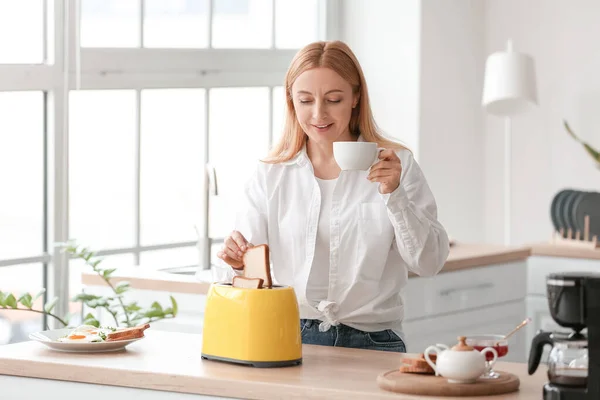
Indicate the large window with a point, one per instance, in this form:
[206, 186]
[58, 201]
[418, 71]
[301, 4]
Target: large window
[118, 116]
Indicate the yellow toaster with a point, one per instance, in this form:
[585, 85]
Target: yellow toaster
[258, 327]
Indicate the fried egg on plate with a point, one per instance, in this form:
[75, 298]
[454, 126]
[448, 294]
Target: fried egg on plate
[86, 334]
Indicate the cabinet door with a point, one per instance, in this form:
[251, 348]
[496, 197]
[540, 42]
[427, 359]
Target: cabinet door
[470, 289]
[445, 329]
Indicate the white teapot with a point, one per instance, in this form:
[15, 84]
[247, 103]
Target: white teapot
[461, 363]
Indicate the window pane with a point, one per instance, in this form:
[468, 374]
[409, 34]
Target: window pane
[21, 174]
[279, 110]
[170, 258]
[242, 24]
[15, 326]
[296, 23]
[173, 132]
[110, 23]
[102, 168]
[176, 24]
[239, 137]
[21, 31]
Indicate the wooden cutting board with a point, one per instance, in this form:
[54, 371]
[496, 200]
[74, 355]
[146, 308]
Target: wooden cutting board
[430, 385]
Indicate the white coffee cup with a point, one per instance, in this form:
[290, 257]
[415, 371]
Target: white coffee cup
[355, 155]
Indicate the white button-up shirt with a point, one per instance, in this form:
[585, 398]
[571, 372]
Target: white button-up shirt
[375, 239]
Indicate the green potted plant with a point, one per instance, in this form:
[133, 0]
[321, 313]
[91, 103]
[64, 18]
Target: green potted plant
[124, 313]
[595, 154]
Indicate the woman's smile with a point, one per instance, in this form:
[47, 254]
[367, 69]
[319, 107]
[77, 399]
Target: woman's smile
[322, 128]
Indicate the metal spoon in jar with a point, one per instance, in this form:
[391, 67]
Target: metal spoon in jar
[521, 325]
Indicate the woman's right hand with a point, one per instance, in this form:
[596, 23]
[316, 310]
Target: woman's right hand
[234, 247]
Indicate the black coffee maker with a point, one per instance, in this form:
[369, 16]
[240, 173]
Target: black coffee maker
[574, 361]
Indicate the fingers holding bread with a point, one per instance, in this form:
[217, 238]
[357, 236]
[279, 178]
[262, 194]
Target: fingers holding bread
[233, 250]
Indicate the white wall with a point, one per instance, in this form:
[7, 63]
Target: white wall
[423, 64]
[562, 36]
[460, 148]
[384, 35]
[451, 118]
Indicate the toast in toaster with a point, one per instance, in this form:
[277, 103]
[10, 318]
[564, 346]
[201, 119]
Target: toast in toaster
[127, 333]
[247, 283]
[257, 265]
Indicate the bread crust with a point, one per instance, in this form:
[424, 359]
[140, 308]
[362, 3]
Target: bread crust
[135, 332]
[257, 264]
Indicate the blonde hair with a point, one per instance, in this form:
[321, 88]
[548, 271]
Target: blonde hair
[335, 55]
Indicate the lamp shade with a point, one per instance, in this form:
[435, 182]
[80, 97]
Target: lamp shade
[509, 87]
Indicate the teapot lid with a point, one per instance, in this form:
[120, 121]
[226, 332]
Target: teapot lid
[462, 345]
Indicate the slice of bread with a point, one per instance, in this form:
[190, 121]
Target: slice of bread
[247, 283]
[409, 369]
[127, 333]
[257, 265]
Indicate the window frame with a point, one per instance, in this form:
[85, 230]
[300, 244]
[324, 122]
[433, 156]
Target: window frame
[68, 67]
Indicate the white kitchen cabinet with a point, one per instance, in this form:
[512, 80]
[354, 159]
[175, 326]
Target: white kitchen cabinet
[482, 300]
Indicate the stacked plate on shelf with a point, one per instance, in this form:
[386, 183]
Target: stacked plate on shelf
[569, 208]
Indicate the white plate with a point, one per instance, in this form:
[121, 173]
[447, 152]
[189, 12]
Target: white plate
[50, 339]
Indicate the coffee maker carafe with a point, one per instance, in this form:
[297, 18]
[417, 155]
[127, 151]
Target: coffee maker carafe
[574, 361]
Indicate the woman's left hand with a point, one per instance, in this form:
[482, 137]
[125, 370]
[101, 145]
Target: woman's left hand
[387, 171]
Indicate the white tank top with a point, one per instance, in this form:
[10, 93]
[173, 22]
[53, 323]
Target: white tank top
[318, 280]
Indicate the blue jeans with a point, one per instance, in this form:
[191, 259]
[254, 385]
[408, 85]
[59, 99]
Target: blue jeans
[344, 336]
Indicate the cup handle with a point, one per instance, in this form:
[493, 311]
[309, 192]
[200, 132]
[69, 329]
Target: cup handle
[494, 352]
[428, 359]
[379, 150]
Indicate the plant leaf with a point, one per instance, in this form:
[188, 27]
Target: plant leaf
[84, 297]
[174, 305]
[154, 312]
[87, 256]
[99, 302]
[91, 320]
[26, 300]
[2, 300]
[156, 306]
[570, 131]
[132, 307]
[11, 301]
[122, 287]
[67, 318]
[108, 272]
[49, 306]
[592, 152]
[38, 295]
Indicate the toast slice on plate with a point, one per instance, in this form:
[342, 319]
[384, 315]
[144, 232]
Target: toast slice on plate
[135, 332]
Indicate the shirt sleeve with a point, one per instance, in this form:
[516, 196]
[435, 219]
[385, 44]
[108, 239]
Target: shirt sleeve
[420, 238]
[251, 214]
[250, 220]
